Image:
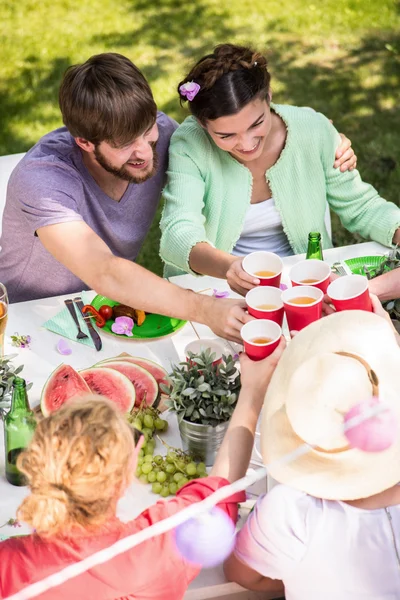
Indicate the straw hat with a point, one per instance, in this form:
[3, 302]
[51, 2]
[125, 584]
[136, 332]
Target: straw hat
[311, 391]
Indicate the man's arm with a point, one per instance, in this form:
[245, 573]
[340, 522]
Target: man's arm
[386, 286]
[83, 252]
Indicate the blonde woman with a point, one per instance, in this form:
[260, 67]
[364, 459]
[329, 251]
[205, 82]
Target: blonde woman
[80, 462]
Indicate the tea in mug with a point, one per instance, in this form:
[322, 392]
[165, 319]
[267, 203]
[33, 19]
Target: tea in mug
[267, 307]
[261, 340]
[308, 281]
[265, 274]
[302, 300]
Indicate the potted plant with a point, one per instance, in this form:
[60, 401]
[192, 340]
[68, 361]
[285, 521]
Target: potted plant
[203, 395]
[7, 374]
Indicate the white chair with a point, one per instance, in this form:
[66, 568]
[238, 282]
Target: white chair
[7, 165]
[327, 219]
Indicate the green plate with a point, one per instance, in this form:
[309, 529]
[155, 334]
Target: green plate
[370, 262]
[155, 326]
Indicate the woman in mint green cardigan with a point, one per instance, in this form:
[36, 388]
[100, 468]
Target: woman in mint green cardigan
[245, 174]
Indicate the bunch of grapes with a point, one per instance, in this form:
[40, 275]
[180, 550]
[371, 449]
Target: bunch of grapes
[167, 474]
[148, 420]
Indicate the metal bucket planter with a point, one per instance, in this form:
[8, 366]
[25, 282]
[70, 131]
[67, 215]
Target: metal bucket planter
[203, 441]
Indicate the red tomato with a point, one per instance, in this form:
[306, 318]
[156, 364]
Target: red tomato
[106, 311]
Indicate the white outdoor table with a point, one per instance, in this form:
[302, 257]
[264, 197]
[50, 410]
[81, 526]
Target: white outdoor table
[42, 358]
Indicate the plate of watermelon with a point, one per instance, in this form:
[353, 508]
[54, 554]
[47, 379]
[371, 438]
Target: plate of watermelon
[126, 380]
[147, 325]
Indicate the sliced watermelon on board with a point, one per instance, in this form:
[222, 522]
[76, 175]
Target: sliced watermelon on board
[158, 372]
[146, 386]
[63, 384]
[113, 385]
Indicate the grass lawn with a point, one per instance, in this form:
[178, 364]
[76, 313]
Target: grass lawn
[340, 57]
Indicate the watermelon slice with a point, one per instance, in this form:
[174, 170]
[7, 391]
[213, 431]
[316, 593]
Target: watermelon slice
[113, 385]
[158, 372]
[63, 384]
[146, 386]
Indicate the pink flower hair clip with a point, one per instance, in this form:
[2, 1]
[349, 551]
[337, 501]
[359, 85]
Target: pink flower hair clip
[189, 89]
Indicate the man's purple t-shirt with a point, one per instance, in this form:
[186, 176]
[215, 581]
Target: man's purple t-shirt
[52, 185]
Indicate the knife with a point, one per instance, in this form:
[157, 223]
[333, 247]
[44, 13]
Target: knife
[93, 333]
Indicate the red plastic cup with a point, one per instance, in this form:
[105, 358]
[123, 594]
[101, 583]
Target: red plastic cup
[198, 346]
[300, 315]
[350, 292]
[257, 262]
[258, 330]
[265, 296]
[312, 269]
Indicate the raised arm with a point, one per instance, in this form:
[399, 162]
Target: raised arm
[75, 245]
[234, 455]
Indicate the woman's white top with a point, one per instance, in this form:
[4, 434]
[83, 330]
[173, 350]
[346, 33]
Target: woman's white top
[321, 549]
[262, 230]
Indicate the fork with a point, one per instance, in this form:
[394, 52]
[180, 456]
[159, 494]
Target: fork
[70, 305]
[340, 270]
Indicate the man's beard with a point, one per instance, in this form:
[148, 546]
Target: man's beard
[122, 172]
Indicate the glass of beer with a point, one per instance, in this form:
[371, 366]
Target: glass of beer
[3, 316]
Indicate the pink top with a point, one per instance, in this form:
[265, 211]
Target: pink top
[323, 549]
[154, 570]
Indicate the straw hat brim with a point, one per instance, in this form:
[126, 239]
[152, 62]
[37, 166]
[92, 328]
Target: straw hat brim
[342, 474]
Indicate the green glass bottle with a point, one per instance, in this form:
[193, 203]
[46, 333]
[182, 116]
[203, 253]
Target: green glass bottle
[19, 427]
[314, 248]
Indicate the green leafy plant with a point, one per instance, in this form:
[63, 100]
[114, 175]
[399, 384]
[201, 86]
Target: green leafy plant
[201, 392]
[7, 374]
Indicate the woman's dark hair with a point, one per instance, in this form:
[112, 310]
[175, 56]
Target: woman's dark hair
[229, 78]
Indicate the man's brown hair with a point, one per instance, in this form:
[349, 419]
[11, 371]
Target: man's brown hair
[108, 99]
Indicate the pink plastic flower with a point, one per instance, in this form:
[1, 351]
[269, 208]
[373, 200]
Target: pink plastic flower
[63, 347]
[189, 89]
[123, 326]
[375, 433]
[218, 294]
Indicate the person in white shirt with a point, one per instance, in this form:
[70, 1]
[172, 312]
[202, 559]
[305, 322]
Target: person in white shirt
[331, 529]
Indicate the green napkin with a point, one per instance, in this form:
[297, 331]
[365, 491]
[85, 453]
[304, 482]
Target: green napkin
[63, 324]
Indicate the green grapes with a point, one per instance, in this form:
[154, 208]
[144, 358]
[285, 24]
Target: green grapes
[148, 422]
[161, 476]
[159, 424]
[166, 474]
[191, 469]
[146, 468]
[173, 488]
[152, 477]
[156, 487]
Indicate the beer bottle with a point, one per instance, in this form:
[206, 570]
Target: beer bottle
[19, 427]
[314, 248]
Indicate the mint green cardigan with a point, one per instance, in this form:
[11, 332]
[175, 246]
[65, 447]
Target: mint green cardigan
[208, 192]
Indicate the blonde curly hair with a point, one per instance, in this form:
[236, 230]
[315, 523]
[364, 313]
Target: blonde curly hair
[78, 464]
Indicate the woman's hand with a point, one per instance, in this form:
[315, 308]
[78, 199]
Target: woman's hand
[345, 157]
[240, 281]
[256, 375]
